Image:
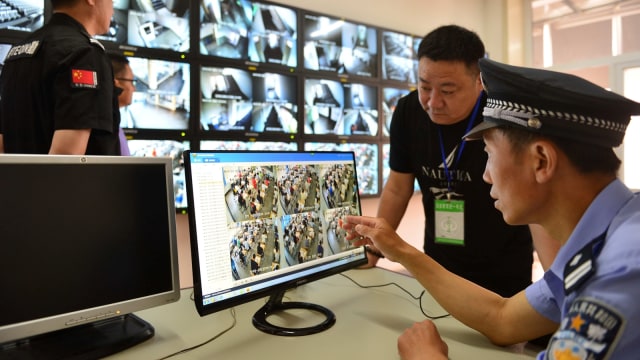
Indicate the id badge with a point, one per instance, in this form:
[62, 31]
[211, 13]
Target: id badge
[449, 222]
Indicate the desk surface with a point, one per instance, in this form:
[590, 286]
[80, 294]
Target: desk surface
[368, 323]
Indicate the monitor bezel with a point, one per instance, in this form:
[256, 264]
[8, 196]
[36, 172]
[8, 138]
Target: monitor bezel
[275, 289]
[45, 325]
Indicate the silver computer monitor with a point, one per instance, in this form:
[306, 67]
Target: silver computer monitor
[86, 241]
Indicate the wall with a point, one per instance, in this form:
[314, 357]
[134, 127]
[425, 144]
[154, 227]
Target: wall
[486, 17]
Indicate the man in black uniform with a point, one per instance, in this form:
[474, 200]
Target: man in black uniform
[463, 230]
[56, 87]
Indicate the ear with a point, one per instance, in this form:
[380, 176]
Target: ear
[479, 84]
[544, 157]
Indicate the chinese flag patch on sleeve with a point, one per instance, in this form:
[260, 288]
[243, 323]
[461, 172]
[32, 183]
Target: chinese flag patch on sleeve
[84, 78]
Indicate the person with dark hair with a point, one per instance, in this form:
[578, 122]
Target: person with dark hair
[463, 231]
[550, 140]
[125, 86]
[56, 88]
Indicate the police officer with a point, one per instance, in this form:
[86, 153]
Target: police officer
[549, 138]
[56, 87]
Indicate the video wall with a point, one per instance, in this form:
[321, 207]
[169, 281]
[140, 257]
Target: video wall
[240, 74]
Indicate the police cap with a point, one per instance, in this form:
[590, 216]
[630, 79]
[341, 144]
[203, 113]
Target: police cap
[552, 103]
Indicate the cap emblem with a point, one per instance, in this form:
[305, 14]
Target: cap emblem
[534, 123]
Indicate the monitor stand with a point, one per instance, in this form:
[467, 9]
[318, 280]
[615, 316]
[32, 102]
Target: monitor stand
[90, 341]
[275, 304]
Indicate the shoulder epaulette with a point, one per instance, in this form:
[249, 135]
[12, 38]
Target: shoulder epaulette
[96, 42]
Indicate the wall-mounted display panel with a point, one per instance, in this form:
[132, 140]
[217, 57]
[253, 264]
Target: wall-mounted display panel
[335, 45]
[399, 57]
[386, 170]
[366, 162]
[248, 145]
[252, 102]
[247, 30]
[154, 24]
[390, 97]
[161, 100]
[333, 107]
[4, 49]
[169, 148]
[22, 15]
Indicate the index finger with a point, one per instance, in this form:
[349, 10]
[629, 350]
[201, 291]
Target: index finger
[360, 220]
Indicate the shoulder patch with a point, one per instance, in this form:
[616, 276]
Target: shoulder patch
[84, 78]
[589, 330]
[23, 50]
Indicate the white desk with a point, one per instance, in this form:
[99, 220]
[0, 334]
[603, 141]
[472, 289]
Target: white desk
[368, 323]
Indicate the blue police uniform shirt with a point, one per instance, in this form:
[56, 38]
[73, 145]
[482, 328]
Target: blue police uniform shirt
[592, 288]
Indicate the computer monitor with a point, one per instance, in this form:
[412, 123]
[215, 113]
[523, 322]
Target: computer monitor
[86, 241]
[263, 222]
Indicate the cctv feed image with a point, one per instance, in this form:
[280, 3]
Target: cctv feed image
[332, 44]
[157, 24]
[285, 215]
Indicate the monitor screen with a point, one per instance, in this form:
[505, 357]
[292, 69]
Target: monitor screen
[390, 97]
[247, 145]
[172, 149]
[366, 162]
[386, 170]
[87, 241]
[22, 15]
[161, 99]
[4, 50]
[332, 44]
[360, 110]
[248, 30]
[263, 222]
[157, 24]
[399, 57]
[251, 102]
[333, 107]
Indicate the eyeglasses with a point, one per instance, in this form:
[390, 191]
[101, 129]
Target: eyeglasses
[133, 81]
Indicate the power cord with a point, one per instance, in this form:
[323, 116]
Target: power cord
[232, 311]
[419, 297]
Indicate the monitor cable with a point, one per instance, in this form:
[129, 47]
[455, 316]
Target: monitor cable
[418, 298]
[232, 311]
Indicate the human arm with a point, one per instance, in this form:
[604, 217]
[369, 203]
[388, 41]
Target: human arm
[504, 321]
[422, 341]
[544, 245]
[395, 196]
[69, 142]
[393, 203]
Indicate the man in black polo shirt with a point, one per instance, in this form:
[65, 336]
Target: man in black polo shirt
[56, 87]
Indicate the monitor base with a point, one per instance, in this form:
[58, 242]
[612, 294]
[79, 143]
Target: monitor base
[275, 304]
[90, 341]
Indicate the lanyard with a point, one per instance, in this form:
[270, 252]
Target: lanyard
[447, 173]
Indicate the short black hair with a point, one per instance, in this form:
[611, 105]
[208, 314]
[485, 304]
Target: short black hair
[118, 62]
[57, 4]
[586, 157]
[452, 43]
